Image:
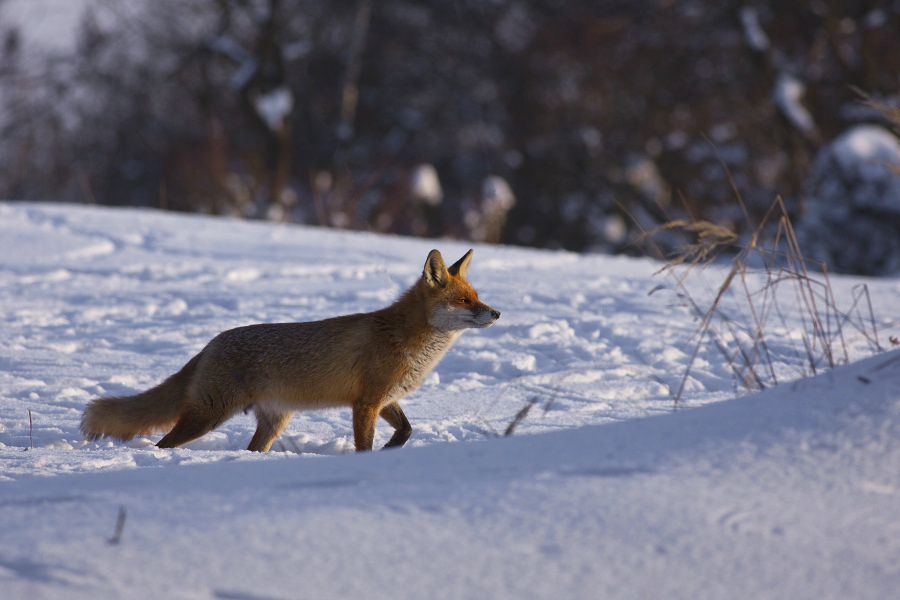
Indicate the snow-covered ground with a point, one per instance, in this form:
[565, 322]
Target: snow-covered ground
[603, 491]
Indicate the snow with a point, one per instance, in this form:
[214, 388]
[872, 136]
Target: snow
[603, 491]
[275, 107]
[753, 32]
[788, 95]
[425, 185]
[867, 150]
[496, 195]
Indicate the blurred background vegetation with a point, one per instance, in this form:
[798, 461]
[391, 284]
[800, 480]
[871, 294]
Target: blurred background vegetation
[553, 123]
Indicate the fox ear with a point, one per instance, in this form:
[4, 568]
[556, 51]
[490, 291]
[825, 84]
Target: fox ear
[435, 273]
[461, 267]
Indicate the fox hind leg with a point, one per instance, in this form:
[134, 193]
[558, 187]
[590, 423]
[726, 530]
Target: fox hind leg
[269, 425]
[191, 425]
[197, 418]
[393, 414]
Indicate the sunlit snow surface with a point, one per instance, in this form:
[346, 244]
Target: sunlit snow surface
[603, 490]
[111, 302]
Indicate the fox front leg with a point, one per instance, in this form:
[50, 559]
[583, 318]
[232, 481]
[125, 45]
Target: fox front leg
[393, 414]
[364, 417]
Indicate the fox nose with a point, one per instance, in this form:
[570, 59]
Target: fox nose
[495, 314]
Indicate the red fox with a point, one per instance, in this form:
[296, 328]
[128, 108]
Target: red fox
[367, 361]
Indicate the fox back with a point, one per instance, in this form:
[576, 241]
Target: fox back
[367, 361]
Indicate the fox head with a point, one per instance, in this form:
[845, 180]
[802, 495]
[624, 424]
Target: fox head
[453, 303]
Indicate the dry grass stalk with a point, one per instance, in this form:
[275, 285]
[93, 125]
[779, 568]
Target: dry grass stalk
[520, 416]
[744, 341]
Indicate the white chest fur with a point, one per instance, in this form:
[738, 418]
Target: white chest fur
[420, 363]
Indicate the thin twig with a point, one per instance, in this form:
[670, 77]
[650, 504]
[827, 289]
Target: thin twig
[520, 416]
[120, 527]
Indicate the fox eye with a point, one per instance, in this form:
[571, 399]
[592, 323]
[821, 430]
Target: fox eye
[463, 300]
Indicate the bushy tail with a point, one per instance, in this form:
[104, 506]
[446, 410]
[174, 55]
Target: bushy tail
[123, 418]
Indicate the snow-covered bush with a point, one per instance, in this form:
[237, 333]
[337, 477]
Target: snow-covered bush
[851, 212]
